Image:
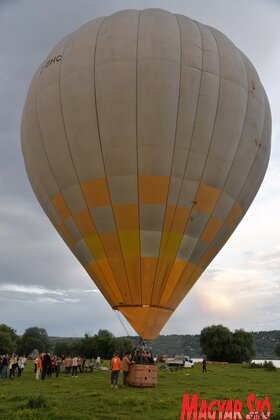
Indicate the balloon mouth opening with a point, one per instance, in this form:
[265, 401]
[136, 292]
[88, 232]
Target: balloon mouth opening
[146, 319]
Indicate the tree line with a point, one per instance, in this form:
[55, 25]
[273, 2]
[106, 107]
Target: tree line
[102, 344]
[264, 344]
[217, 343]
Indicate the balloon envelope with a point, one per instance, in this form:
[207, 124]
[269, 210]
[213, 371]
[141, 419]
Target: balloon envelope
[146, 136]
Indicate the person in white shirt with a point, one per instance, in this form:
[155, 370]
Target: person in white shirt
[97, 363]
[74, 366]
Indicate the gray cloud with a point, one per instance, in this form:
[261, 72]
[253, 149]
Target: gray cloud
[71, 314]
[237, 298]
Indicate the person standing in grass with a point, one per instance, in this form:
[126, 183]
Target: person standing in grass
[204, 365]
[115, 370]
[125, 367]
[23, 361]
[39, 366]
[80, 364]
[4, 366]
[57, 366]
[20, 366]
[97, 364]
[68, 364]
[75, 366]
[12, 366]
[46, 364]
[51, 368]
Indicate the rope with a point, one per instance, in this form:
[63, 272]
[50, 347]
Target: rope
[121, 321]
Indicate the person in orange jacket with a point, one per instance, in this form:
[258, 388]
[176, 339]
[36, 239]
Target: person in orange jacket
[39, 367]
[115, 370]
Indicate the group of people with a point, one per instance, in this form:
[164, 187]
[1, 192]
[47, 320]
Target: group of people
[141, 356]
[11, 365]
[45, 365]
[117, 366]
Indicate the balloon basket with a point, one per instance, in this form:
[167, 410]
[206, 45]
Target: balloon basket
[142, 375]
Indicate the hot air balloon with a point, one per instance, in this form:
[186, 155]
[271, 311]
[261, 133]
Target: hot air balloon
[145, 136]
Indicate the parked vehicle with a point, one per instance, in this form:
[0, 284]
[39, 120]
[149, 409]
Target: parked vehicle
[179, 362]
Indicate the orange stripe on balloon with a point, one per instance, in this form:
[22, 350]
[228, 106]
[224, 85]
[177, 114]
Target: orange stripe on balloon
[169, 215]
[233, 215]
[65, 235]
[185, 283]
[132, 266]
[96, 192]
[104, 277]
[206, 198]
[126, 216]
[212, 228]
[176, 271]
[60, 206]
[84, 223]
[153, 189]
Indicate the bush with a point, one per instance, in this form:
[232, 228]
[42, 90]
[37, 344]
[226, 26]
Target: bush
[37, 402]
[269, 366]
[266, 365]
[254, 365]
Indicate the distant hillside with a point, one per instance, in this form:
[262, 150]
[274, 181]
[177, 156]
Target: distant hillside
[265, 342]
[176, 344]
[54, 339]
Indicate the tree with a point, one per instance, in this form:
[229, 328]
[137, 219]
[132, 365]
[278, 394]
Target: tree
[34, 338]
[8, 339]
[219, 344]
[277, 348]
[6, 344]
[88, 346]
[122, 345]
[242, 347]
[63, 347]
[104, 344]
[214, 342]
[12, 333]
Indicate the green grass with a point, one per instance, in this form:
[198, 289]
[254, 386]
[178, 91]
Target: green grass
[89, 396]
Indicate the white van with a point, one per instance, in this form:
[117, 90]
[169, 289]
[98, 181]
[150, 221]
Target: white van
[179, 361]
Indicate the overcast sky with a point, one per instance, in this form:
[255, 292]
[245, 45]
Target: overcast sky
[41, 282]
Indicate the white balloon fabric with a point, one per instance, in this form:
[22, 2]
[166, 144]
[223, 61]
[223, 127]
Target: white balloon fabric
[146, 136]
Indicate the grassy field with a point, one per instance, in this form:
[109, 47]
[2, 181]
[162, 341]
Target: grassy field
[89, 396]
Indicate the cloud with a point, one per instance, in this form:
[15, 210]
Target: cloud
[246, 297]
[13, 290]
[35, 290]
[267, 262]
[31, 252]
[61, 313]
